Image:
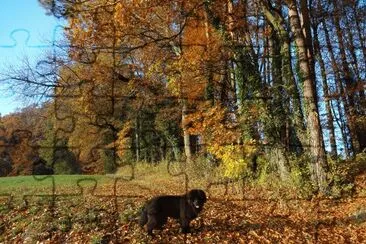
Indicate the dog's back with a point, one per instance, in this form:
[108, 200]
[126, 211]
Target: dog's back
[168, 205]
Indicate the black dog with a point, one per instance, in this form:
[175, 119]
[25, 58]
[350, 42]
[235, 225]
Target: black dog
[185, 208]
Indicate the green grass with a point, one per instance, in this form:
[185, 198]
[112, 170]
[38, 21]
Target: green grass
[143, 173]
[44, 184]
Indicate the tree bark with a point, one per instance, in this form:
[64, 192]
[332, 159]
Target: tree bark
[287, 74]
[349, 88]
[327, 99]
[318, 164]
[186, 136]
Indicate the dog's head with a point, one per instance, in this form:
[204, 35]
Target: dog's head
[197, 199]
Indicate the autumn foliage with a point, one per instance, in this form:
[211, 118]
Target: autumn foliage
[231, 81]
[259, 103]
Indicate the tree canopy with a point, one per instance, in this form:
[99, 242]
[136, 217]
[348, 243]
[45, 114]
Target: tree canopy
[174, 79]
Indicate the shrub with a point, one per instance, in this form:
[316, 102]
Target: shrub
[342, 174]
[201, 168]
[235, 159]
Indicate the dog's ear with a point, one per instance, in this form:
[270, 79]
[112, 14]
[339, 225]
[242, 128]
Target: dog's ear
[190, 196]
[203, 195]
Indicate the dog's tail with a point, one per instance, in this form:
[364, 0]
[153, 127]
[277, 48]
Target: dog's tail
[143, 217]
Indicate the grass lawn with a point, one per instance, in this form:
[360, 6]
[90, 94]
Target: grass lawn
[44, 184]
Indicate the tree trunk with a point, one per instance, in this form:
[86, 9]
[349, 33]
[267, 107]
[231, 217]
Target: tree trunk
[186, 137]
[339, 86]
[342, 91]
[318, 165]
[349, 88]
[342, 126]
[282, 76]
[287, 75]
[359, 14]
[328, 101]
[137, 137]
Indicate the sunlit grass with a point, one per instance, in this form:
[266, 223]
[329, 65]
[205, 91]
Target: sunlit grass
[44, 184]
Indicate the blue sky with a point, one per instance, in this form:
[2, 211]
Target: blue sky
[25, 30]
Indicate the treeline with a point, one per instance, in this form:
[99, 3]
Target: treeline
[228, 80]
[25, 147]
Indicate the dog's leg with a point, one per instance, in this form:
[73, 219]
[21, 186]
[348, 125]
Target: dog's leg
[151, 224]
[185, 225]
[161, 222]
[143, 217]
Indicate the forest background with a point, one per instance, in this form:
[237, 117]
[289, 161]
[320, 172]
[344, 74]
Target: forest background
[241, 88]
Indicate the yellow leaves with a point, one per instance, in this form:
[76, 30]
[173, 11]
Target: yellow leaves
[119, 14]
[153, 69]
[233, 163]
[187, 78]
[234, 157]
[222, 136]
[123, 141]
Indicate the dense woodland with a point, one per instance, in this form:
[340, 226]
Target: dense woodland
[274, 86]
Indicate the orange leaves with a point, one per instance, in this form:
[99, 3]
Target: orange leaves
[202, 119]
[123, 141]
[199, 45]
[212, 123]
[190, 81]
[219, 131]
[119, 14]
[93, 218]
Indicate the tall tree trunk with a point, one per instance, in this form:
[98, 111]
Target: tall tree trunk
[305, 23]
[342, 126]
[282, 77]
[137, 136]
[349, 87]
[352, 50]
[186, 136]
[277, 21]
[231, 55]
[356, 60]
[338, 83]
[209, 93]
[359, 14]
[327, 100]
[318, 165]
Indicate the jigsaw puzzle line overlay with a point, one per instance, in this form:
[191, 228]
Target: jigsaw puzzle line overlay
[115, 196]
[28, 41]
